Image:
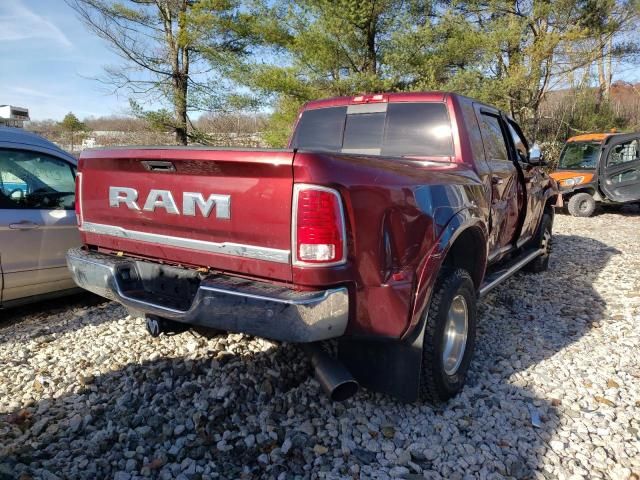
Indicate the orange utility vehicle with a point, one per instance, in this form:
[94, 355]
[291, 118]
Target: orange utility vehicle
[599, 168]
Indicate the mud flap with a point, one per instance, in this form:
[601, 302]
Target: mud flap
[386, 366]
[559, 201]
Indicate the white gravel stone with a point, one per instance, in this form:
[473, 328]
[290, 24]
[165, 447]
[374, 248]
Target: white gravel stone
[86, 393]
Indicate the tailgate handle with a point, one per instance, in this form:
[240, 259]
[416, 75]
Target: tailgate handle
[158, 166]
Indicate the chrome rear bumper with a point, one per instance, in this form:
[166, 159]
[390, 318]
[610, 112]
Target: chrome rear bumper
[217, 301]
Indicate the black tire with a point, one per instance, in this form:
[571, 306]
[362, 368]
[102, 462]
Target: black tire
[581, 205]
[544, 239]
[436, 385]
[612, 207]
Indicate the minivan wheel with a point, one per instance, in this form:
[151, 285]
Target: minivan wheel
[449, 336]
[581, 205]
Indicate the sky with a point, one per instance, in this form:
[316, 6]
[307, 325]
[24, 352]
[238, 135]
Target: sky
[49, 62]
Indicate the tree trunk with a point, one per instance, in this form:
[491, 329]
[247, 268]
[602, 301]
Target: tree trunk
[604, 82]
[372, 64]
[610, 68]
[371, 60]
[180, 104]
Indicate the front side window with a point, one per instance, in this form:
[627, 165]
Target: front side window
[412, 129]
[493, 138]
[35, 180]
[624, 152]
[519, 142]
[579, 156]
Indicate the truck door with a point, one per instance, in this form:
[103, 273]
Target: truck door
[534, 184]
[619, 168]
[506, 188]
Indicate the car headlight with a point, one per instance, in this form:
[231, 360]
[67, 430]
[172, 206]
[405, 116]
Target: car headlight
[570, 182]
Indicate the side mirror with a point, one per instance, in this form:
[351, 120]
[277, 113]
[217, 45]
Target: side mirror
[535, 155]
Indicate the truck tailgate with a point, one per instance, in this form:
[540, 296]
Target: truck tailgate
[228, 210]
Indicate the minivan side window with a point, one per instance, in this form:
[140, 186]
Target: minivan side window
[33, 180]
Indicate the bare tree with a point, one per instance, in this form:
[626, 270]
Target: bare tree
[162, 43]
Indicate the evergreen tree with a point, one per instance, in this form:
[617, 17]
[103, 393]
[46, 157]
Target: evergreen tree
[319, 48]
[162, 44]
[71, 125]
[507, 52]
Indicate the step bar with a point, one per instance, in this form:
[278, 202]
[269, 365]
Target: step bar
[500, 276]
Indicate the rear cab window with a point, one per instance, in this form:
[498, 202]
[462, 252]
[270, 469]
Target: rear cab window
[411, 129]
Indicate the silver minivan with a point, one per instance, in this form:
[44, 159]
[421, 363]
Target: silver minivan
[37, 217]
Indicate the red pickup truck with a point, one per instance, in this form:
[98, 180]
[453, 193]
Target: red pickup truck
[380, 226]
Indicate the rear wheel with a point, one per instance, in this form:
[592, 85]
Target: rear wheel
[449, 336]
[543, 241]
[581, 205]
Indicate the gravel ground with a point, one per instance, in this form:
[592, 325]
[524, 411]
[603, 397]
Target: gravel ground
[553, 392]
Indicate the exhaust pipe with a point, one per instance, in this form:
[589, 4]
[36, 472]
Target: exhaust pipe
[333, 376]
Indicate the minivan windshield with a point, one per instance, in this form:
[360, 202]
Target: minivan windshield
[411, 129]
[579, 156]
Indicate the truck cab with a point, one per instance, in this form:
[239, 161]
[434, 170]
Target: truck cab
[599, 168]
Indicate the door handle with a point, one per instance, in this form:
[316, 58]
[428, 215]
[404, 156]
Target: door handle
[497, 181]
[24, 225]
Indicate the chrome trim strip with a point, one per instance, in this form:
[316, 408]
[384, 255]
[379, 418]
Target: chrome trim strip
[224, 248]
[40, 227]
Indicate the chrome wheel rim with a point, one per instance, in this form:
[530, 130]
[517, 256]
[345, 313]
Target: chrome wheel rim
[455, 335]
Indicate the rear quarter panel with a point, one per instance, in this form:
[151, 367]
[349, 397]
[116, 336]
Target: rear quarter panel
[396, 211]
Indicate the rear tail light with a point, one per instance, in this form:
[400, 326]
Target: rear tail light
[318, 229]
[77, 199]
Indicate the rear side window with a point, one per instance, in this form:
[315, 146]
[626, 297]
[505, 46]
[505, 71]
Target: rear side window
[624, 152]
[394, 129]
